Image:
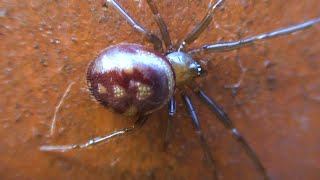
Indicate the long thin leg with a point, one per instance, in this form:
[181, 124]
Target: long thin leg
[223, 117]
[199, 133]
[149, 36]
[201, 26]
[172, 112]
[57, 108]
[161, 24]
[228, 46]
[139, 123]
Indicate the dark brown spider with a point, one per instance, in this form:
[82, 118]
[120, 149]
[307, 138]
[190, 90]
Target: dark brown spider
[135, 81]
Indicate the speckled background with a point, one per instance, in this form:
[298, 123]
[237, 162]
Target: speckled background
[46, 45]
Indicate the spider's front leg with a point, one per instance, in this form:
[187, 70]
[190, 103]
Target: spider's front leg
[157, 43]
[232, 45]
[161, 24]
[196, 124]
[197, 31]
[227, 122]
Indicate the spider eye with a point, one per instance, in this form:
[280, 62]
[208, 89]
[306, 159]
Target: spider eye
[201, 72]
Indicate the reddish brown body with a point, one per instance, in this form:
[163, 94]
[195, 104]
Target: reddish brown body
[131, 79]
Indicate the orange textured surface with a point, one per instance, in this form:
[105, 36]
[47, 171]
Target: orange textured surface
[46, 45]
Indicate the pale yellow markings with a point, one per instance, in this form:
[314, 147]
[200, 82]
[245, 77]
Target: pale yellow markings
[169, 75]
[144, 91]
[128, 70]
[101, 89]
[118, 91]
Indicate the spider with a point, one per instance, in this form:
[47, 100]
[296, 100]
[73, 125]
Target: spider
[135, 81]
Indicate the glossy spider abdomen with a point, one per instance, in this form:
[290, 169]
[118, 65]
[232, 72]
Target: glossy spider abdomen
[130, 79]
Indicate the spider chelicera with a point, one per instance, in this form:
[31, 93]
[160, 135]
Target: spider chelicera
[135, 81]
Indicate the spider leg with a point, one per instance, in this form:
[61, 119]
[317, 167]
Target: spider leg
[157, 43]
[139, 123]
[58, 107]
[223, 117]
[228, 46]
[199, 132]
[161, 24]
[172, 112]
[201, 26]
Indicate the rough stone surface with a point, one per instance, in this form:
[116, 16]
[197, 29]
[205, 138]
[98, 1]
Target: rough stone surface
[46, 45]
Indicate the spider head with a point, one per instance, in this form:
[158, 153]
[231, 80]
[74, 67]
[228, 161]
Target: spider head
[185, 67]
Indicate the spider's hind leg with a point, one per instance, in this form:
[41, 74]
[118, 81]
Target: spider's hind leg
[139, 123]
[226, 121]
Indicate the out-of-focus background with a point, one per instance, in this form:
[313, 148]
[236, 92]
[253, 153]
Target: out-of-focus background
[46, 45]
